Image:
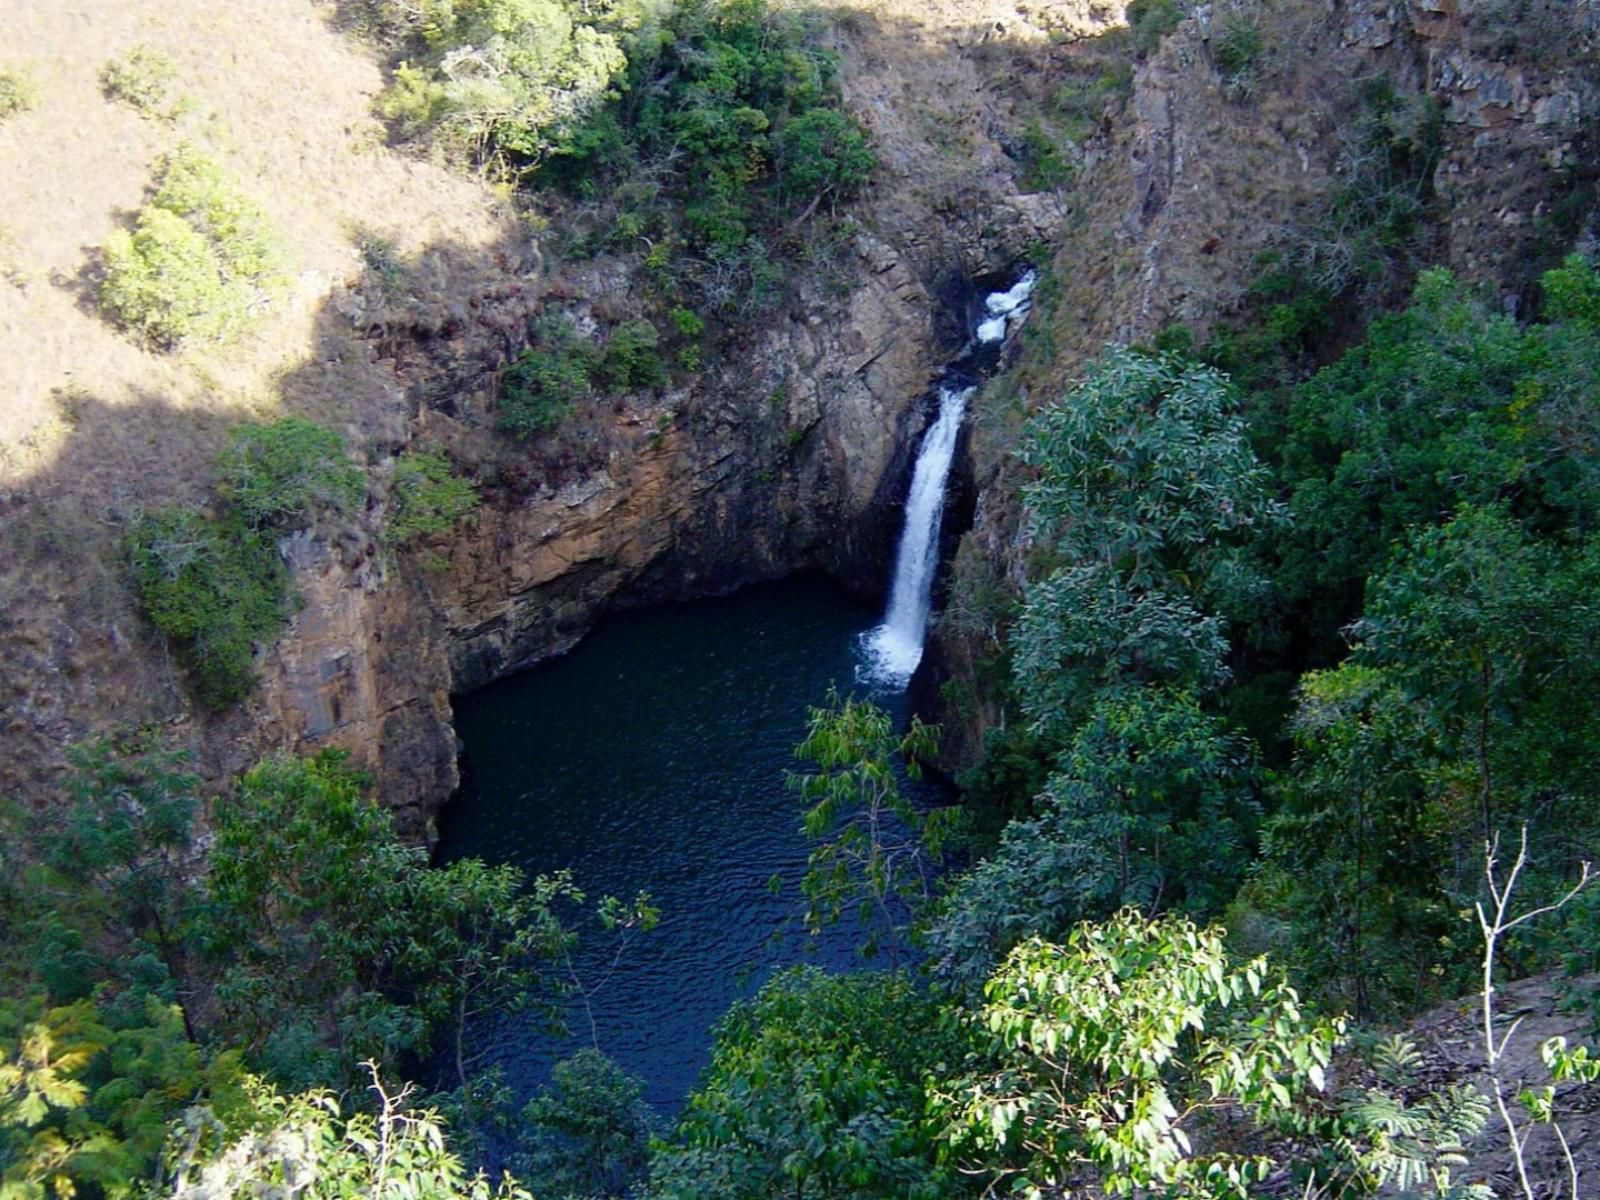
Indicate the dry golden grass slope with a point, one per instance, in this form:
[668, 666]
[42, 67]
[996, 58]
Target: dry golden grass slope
[279, 96]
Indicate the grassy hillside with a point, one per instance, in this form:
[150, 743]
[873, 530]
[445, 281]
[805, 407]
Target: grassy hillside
[282, 100]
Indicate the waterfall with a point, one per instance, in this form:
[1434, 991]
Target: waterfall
[892, 650]
[1006, 308]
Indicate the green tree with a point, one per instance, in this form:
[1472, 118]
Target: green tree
[308, 1146]
[1152, 805]
[822, 153]
[1355, 844]
[874, 846]
[587, 1133]
[309, 919]
[503, 81]
[1142, 508]
[87, 1096]
[1099, 1056]
[815, 1090]
[1459, 715]
[337, 941]
[1443, 406]
[121, 867]
[1144, 496]
[488, 931]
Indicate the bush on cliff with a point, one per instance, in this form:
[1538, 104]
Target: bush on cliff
[215, 584]
[216, 588]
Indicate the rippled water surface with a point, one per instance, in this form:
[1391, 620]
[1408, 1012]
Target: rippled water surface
[653, 756]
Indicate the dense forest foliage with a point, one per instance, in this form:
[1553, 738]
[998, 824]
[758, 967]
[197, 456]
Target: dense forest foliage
[1293, 647]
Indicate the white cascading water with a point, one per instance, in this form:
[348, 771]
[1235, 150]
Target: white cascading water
[892, 650]
[1006, 308]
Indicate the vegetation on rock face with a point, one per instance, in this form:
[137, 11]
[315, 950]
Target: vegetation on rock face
[1151, 20]
[217, 588]
[429, 498]
[283, 475]
[543, 386]
[215, 584]
[200, 258]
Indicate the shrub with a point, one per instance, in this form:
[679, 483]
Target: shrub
[1044, 166]
[688, 322]
[631, 359]
[165, 281]
[428, 497]
[197, 189]
[1151, 20]
[1572, 292]
[822, 153]
[1376, 220]
[542, 387]
[1083, 102]
[283, 475]
[1239, 44]
[1238, 48]
[17, 93]
[214, 587]
[142, 78]
[201, 256]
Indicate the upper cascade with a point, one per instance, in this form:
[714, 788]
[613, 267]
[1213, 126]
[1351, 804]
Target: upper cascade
[1007, 309]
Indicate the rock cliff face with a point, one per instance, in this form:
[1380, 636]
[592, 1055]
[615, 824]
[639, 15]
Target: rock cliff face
[789, 459]
[791, 451]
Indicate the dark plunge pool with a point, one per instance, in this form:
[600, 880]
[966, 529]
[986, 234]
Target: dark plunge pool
[653, 756]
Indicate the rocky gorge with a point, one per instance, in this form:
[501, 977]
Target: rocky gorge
[792, 447]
